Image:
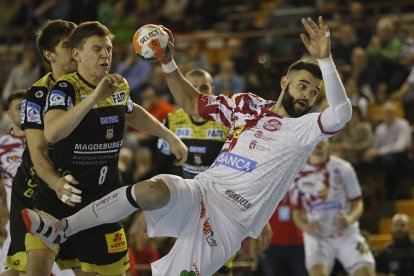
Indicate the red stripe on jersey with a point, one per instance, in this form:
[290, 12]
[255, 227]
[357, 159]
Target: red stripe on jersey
[321, 127]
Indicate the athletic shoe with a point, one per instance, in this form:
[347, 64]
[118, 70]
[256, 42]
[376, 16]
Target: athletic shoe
[45, 226]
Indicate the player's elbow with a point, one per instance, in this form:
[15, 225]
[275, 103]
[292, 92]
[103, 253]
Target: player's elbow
[52, 136]
[343, 113]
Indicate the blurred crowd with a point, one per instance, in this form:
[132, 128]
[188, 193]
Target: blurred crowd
[373, 50]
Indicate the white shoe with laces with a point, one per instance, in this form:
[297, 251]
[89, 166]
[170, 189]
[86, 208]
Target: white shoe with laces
[50, 229]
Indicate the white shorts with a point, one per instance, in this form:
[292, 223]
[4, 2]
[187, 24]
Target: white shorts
[351, 250]
[205, 238]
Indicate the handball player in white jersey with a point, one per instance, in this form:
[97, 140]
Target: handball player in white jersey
[267, 145]
[328, 203]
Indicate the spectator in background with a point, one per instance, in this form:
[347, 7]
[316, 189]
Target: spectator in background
[343, 45]
[227, 80]
[405, 95]
[142, 250]
[154, 104]
[173, 14]
[365, 76]
[24, 74]
[5, 121]
[398, 257]
[143, 165]
[384, 52]
[407, 50]
[356, 96]
[361, 20]
[351, 142]
[134, 70]
[122, 23]
[376, 110]
[285, 256]
[388, 153]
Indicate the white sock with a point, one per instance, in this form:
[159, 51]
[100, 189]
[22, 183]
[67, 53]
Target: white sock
[108, 209]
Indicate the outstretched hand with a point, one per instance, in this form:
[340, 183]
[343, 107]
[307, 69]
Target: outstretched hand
[318, 42]
[170, 48]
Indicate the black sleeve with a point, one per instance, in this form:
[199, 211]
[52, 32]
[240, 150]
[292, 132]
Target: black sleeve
[33, 106]
[381, 263]
[61, 96]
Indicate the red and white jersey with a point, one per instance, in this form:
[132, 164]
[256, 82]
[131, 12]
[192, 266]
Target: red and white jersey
[260, 158]
[11, 150]
[324, 191]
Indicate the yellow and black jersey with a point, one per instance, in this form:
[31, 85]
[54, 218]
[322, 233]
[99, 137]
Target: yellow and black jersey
[90, 152]
[26, 181]
[203, 139]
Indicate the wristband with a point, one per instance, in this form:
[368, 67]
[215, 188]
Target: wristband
[169, 67]
[327, 65]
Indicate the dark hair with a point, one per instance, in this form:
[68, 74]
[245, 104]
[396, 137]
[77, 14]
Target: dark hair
[50, 34]
[17, 94]
[307, 65]
[86, 30]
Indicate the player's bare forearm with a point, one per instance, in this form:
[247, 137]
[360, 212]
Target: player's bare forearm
[144, 121]
[38, 148]
[59, 124]
[184, 93]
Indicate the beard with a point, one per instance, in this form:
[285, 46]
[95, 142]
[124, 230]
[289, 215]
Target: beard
[288, 103]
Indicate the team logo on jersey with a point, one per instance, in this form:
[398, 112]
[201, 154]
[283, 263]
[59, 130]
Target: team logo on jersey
[63, 84]
[236, 162]
[183, 132]
[119, 97]
[109, 133]
[33, 113]
[109, 120]
[272, 125]
[130, 105]
[83, 97]
[57, 97]
[116, 241]
[215, 133]
[39, 94]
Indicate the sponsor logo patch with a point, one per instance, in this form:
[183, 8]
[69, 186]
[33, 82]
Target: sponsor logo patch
[33, 113]
[119, 97]
[195, 149]
[57, 97]
[183, 132]
[236, 162]
[109, 120]
[215, 133]
[116, 241]
[22, 111]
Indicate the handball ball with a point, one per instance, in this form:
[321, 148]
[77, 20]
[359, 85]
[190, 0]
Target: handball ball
[150, 42]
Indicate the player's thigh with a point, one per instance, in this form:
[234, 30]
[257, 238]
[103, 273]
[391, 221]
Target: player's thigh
[169, 220]
[318, 270]
[353, 253]
[364, 271]
[318, 251]
[204, 244]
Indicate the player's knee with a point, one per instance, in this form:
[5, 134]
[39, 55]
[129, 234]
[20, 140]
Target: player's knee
[364, 271]
[152, 194]
[318, 270]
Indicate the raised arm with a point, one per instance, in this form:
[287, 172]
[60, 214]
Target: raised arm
[59, 123]
[184, 93]
[318, 44]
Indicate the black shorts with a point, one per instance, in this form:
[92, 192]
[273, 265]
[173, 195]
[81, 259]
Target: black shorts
[102, 249]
